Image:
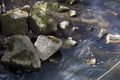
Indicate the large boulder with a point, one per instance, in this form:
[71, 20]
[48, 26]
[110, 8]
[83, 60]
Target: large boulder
[14, 22]
[20, 52]
[41, 20]
[47, 46]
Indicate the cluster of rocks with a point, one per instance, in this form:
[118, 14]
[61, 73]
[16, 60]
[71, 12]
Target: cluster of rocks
[29, 34]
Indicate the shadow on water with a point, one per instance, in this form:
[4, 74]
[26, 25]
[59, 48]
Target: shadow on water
[73, 65]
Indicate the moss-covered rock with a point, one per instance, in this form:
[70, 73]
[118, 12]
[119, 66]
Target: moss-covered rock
[14, 22]
[41, 20]
[20, 52]
[47, 46]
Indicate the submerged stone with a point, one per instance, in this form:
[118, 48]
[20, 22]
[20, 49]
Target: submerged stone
[91, 61]
[47, 46]
[14, 22]
[69, 43]
[113, 38]
[102, 33]
[20, 52]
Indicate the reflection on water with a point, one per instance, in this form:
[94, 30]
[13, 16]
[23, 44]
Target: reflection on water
[72, 65]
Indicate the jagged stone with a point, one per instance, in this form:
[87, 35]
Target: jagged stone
[69, 43]
[72, 13]
[47, 46]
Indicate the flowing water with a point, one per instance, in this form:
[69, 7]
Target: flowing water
[72, 65]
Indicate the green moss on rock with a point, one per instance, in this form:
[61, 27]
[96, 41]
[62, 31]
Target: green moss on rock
[14, 22]
[55, 39]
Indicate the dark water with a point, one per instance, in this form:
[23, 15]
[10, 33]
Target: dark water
[72, 66]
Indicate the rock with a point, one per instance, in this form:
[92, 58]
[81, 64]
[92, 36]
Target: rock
[63, 8]
[91, 61]
[20, 52]
[69, 43]
[26, 8]
[74, 29]
[42, 21]
[113, 38]
[46, 7]
[14, 22]
[90, 28]
[47, 46]
[64, 24]
[72, 13]
[102, 33]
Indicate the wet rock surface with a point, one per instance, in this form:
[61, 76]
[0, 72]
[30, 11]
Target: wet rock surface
[20, 52]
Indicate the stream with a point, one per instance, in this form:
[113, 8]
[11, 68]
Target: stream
[72, 66]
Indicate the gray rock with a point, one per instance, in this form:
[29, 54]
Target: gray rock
[69, 43]
[14, 22]
[102, 33]
[41, 21]
[47, 46]
[20, 52]
[64, 24]
[113, 38]
[72, 13]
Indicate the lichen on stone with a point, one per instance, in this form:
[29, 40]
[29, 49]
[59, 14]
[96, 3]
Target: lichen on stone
[55, 39]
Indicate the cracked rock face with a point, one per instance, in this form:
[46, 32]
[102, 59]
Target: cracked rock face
[21, 53]
[47, 46]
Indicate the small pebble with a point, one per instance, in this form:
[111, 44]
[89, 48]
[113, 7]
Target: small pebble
[64, 24]
[69, 43]
[102, 33]
[91, 61]
[72, 13]
[74, 29]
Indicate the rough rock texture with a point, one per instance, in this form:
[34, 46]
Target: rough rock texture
[14, 22]
[20, 52]
[41, 20]
[47, 46]
[69, 43]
